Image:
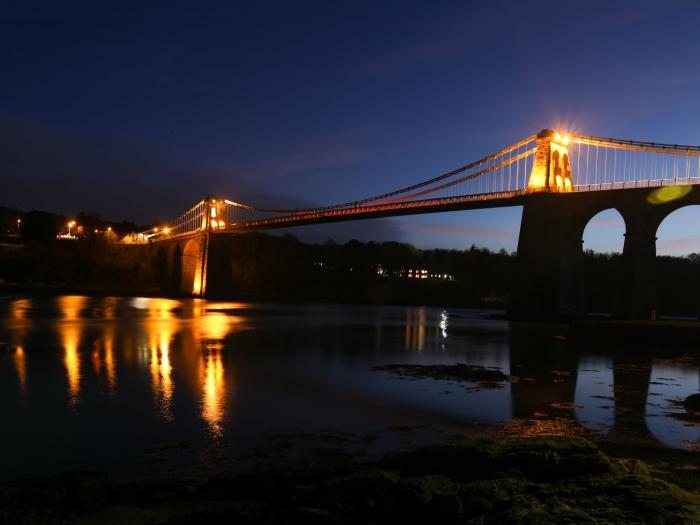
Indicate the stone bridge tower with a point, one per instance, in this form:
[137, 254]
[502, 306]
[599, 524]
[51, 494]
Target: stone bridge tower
[551, 170]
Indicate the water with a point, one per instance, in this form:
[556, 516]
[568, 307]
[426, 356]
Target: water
[144, 385]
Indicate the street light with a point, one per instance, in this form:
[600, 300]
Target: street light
[70, 225]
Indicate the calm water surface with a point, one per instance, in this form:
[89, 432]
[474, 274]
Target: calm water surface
[102, 382]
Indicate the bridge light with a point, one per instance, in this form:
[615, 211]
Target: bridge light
[565, 140]
[557, 137]
[166, 230]
[214, 224]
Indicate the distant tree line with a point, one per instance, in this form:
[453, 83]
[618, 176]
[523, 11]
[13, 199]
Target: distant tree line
[285, 268]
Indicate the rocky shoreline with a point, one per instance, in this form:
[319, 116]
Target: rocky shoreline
[523, 480]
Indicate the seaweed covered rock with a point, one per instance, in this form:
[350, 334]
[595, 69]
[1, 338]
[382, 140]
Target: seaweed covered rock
[550, 458]
[46, 499]
[539, 480]
[537, 458]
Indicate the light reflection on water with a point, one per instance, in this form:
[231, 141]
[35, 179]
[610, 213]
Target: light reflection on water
[213, 380]
[594, 404]
[106, 378]
[670, 384]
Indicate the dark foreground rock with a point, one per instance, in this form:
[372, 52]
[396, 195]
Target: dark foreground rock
[524, 481]
[692, 403]
[53, 499]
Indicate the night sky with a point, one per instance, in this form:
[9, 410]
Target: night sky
[136, 111]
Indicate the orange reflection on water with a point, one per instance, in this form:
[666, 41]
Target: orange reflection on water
[214, 326]
[70, 336]
[19, 308]
[110, 366]
[20, 324]
[415, 330]
[160, 327]
[96, 363]
[20, 361]
[70, 306]
[161, 374]
[213, 389]
[159, 308]
[69, 329]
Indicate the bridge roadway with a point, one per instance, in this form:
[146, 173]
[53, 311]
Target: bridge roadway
[501, 199]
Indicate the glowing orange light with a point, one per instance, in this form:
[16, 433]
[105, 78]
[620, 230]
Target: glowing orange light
[565, 140]
[557, 137]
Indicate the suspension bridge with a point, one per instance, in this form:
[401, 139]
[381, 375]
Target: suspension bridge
[561, 180]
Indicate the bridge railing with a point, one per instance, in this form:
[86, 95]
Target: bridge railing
[506, 171]
[601, 164]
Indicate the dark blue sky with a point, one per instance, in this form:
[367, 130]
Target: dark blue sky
[137, 111]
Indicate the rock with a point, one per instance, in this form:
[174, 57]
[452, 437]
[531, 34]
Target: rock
[38, 500]
[692, 403]
[487, 377]
[551, 458]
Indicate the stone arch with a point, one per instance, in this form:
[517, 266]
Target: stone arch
[191, 267]
[608, 217]
[683, 208]
[677, 282]
[601, 258]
